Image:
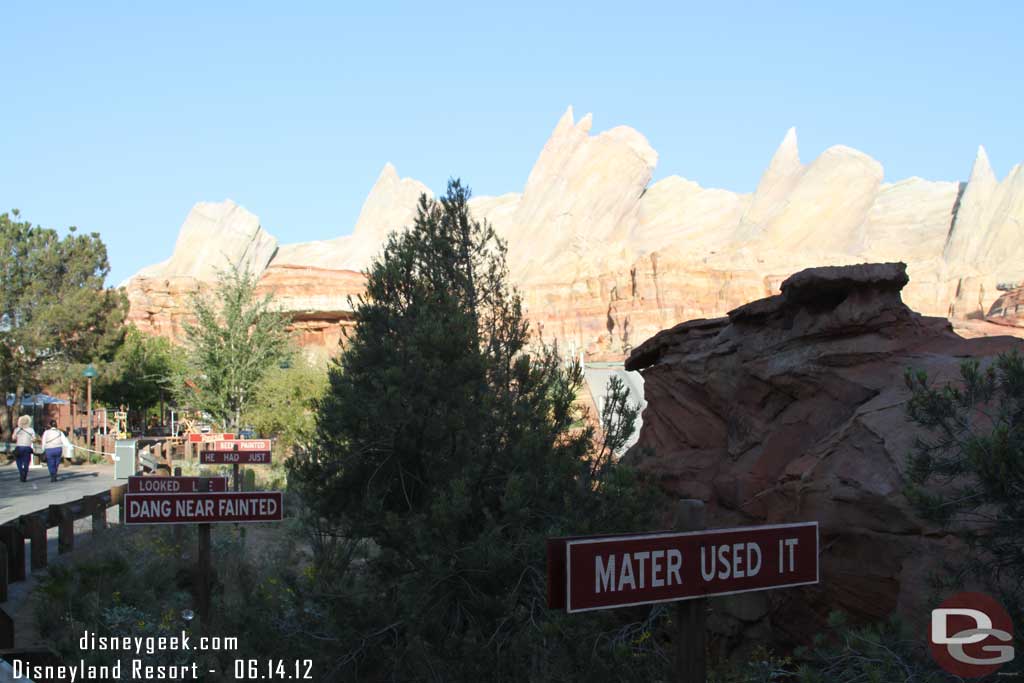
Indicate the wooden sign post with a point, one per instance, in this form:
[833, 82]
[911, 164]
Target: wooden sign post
[691, 652]
[236, 452]
[202, 501]
[588, 573]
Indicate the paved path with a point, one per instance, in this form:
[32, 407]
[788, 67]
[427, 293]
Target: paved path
[17, 498]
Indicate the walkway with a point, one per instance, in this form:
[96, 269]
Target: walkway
[17, 498]
[76, 481]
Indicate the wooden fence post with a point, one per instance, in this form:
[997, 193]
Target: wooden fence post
[65, 523]
[35, 529]
[12, 537]
[3, 572]
[117, 498]
[6, 631]
[99, 514]
[691, 631]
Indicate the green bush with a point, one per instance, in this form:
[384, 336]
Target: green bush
[137, 582]
[882, 652]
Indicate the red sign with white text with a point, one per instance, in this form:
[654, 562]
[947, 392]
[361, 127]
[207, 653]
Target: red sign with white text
[236, 452]
[175, 484]
[620, 571]
[203, 508]
[207, 438]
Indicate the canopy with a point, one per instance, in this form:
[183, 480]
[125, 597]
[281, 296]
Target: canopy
[36, 400]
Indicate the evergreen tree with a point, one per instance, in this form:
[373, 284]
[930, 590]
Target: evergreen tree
[55, 314]
[967, 473]
[447, 439]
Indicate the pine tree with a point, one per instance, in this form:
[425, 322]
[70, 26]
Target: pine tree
[967, 470]
[446, 437]
[55, 314]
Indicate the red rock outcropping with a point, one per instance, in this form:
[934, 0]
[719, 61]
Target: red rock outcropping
[793, 408]
[316, 301]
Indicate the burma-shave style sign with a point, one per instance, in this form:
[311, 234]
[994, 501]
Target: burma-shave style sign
[207, 438]
[175, 484]
[236, 452]
[603, 572]
[203, 508]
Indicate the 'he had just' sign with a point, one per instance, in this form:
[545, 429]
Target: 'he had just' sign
[604, 572]
[236, 452]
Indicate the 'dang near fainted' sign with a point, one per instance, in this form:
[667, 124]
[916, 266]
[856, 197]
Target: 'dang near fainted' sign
[204, 508]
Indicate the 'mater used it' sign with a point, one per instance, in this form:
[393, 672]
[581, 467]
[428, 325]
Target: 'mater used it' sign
[236, 452]
[203, 508]
[603, 572]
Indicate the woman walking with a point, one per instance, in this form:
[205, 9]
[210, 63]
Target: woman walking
[24, 436]
[53, 446]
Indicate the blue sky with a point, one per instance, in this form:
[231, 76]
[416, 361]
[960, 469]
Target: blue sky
[117, 119]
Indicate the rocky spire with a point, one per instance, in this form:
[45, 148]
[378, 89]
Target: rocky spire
[391, 205]
[218, 235]
[778, 180]
[565, 124]
[970, 222]
[1001, 248]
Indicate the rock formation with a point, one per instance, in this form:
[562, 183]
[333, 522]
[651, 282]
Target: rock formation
[792, 408]
[213, 237]
[390, 205]
[605, 258]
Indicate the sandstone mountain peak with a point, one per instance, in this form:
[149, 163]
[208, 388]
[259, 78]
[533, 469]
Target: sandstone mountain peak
[982, 171]
[216, 236]
[389, 206]
[788, 152]
[987, 231]
[586, 123]
[565, 123]
[388, 174]
[605, 257]
[778, 180]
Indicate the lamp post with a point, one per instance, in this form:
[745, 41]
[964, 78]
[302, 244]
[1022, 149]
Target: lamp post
[88, 373]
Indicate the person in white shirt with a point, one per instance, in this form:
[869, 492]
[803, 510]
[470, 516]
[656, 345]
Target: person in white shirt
[24, 436]
[53, 446]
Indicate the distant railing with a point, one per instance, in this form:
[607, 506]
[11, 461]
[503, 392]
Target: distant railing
[102, 444]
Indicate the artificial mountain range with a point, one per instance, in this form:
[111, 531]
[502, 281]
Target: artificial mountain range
[605, 258]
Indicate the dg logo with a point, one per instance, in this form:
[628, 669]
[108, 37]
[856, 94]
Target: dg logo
[971, 635]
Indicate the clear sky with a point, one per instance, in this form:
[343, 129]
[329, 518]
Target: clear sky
[118, 117]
